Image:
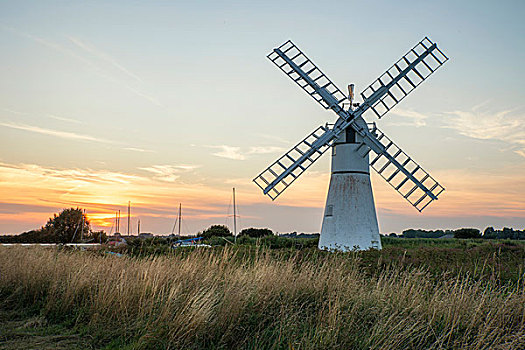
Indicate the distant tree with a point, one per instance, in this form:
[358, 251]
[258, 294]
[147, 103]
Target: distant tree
[490, 233]
[467, 233]
[488, 230]
[412, 233]
[66, 226]
[256, 232]
[505, 233]
[508, 233]
[393, 234]
[216, 230]
[291, 234]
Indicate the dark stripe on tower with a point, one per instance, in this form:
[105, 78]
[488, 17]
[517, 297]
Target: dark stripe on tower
[351, 172]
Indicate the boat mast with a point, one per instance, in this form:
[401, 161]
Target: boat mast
[234, 218]
[180, 216]
[82, 227]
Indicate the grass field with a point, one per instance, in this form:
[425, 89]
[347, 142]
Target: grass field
[414, 294]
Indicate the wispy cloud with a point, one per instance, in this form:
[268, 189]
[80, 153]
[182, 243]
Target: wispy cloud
[169, 173]
[64, 119]
[237, 153]
[75, 175]
[50, 44]
[64, 134]
[55, 133]
[100, 70]
[265, 149]
[9, 110]
[86, 175]
[103, 56]
[49, 115]
[409, 118]
[521, 152]
[275, 138]
[135, 149]
[229, 152]
[507, 126]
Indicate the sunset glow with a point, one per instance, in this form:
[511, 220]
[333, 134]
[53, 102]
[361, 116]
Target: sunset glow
[176, 103]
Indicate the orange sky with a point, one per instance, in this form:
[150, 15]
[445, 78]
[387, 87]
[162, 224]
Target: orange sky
[34, 193]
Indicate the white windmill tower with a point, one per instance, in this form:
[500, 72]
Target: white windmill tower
[350, 220]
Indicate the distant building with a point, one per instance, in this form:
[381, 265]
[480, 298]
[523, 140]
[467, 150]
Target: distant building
[145, 235]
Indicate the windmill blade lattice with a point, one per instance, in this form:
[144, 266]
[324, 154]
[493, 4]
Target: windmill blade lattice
[285, 170]
[403, 77]
[406, 176]
[294, 63]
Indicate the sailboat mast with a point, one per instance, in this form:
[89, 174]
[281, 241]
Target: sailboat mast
[180, 216]
[82, 227]
[129, 209]
[234, 217]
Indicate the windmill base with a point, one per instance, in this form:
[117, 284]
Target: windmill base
[350, 221]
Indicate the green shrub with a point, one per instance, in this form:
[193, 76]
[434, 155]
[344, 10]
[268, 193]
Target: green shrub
[217, 231]
[256, 232]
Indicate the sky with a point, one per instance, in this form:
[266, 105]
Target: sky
[167, 102]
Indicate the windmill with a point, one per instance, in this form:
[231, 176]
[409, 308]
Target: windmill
[350, 220]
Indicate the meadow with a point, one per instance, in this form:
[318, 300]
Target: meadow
[269, 294]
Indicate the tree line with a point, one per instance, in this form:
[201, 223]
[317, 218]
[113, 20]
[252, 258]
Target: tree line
[488, 233]
[72, 226]
[224, 231]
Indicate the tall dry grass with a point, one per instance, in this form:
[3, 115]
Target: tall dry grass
[221, 299]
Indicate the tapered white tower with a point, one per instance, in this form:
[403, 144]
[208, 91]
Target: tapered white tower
[350, 221]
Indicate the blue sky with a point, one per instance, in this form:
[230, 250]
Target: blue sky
[167, 102]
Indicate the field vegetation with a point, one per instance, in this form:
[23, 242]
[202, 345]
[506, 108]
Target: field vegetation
[264, 294]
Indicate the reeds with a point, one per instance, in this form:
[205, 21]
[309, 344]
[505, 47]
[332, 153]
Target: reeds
[227, 299]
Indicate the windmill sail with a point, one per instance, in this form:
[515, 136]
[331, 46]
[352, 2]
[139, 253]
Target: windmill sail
[285, 170]
[403, 77]
[403, 173]
[394, 165]
[294, 63]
